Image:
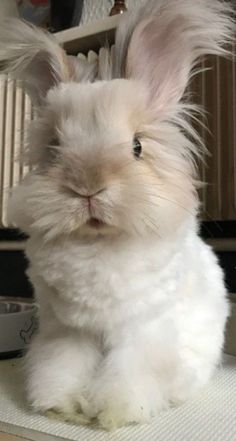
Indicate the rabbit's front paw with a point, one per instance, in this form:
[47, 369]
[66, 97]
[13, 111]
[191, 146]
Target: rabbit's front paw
[125, 403]
[74, 416]
[122, 412]
[70, 410]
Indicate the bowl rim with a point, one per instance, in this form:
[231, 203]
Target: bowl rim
[17, 299]
[21, 301]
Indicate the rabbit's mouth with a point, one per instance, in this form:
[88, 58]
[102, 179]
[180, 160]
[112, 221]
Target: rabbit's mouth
[93, 222]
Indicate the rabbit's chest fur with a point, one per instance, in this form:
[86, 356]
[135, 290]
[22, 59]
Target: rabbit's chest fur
[109, 284]
[103, 284]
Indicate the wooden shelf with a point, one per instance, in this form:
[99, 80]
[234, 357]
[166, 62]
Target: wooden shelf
[227, 245]
[88, 37]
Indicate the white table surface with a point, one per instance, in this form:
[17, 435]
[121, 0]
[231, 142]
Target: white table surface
[209, 417]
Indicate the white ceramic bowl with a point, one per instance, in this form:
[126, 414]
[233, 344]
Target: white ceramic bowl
[18, 323]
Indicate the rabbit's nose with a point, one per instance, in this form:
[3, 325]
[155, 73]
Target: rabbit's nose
[88, 195]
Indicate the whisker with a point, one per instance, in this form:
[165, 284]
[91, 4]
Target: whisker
[177, 204]
[156, 196]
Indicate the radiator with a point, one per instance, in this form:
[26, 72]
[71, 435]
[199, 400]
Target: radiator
[15, 112]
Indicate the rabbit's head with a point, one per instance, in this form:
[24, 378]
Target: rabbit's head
[114, 152]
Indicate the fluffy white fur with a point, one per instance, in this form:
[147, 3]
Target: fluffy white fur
[132, 313]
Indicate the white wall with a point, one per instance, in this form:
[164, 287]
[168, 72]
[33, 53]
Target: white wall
[8, 7]
[96, 9]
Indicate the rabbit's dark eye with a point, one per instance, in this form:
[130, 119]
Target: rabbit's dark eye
[54, 141]
[53, 147]
[137, 148]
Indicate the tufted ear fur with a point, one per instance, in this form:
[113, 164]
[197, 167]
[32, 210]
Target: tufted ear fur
[162, 42]
[33, 56]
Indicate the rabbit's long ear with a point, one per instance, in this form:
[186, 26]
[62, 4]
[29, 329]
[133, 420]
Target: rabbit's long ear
[33, 56]
[161, 43]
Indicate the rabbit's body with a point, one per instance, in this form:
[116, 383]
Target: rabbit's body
[132, 302]
[129, 326]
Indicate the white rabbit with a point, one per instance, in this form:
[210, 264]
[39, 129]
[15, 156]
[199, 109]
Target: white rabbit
[132, 302]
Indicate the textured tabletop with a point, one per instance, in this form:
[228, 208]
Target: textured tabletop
[210, 417]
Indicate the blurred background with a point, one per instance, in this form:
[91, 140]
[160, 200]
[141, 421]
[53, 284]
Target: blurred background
[63, 14]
